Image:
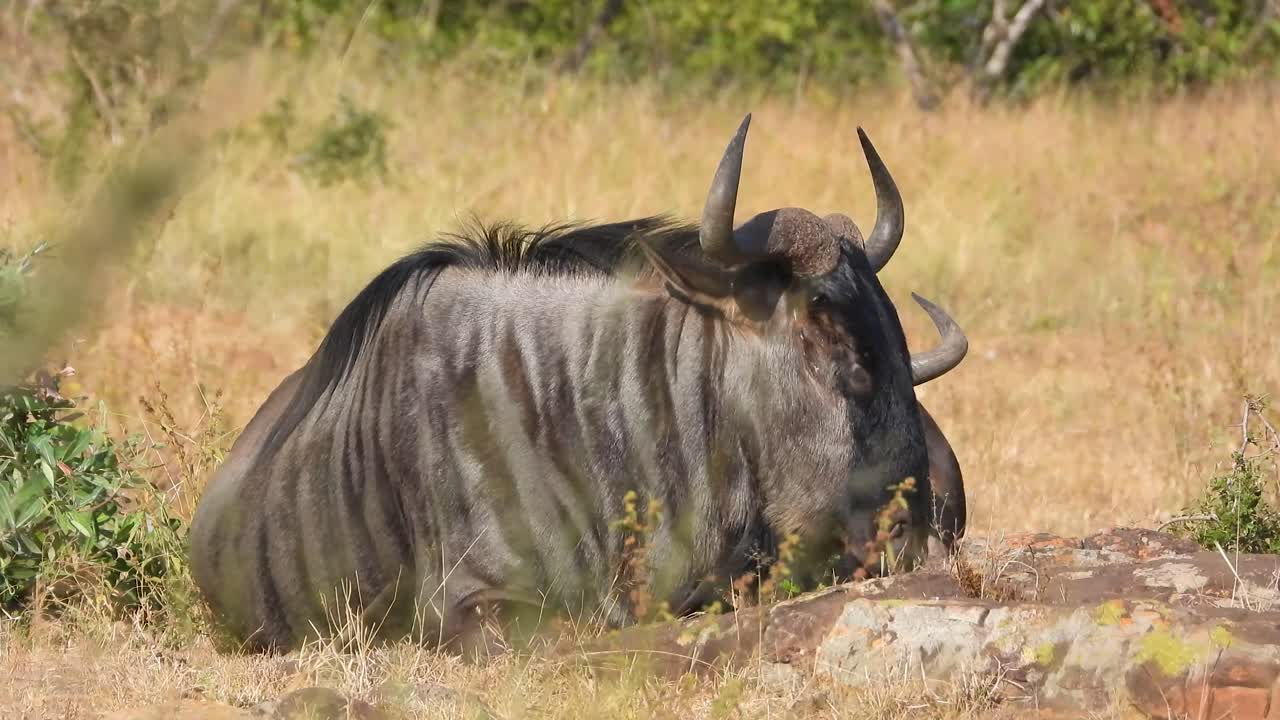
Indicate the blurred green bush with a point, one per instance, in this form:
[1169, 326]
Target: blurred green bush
[1163, 44]
[68, 504]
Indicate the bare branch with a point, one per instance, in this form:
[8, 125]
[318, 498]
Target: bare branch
[430, 10]
[992, 33]
[1186, 519]
[611, 10]
[1270, 13]
[995, 65]
[32, 8]
[1004, 49]
[926, 97]
[100, 99]
[1244, 427]
[223, 13]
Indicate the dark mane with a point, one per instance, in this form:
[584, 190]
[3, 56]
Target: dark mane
[504, 248]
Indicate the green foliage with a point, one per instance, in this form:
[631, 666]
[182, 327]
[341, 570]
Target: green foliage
[1110, 41]
[131, 64]
[14, 271]
[77, 521]
[1234, 512]
[1242, 520]
[774, 42]
[728, 700]
[128, 66]
[1162, 43]
[69, 503]
[277, 123]
[352, 145]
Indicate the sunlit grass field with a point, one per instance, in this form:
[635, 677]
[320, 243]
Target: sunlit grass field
[1114, 265]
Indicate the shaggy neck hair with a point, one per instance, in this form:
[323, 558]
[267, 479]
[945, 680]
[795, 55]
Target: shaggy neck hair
[504, 248]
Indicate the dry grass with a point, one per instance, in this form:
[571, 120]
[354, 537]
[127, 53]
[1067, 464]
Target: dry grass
[65, 672]
[1115, 268]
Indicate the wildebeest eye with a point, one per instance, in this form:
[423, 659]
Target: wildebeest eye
[859, 380]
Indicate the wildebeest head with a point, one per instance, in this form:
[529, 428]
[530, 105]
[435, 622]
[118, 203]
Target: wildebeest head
[809, 285]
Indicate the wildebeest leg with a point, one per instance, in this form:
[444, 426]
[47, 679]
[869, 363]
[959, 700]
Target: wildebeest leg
[947, 485]
[486, 628]
[389, 615]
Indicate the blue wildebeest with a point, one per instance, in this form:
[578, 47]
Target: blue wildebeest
[945, 477]
[482, 413]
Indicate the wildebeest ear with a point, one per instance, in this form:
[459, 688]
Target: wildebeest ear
[696, 281]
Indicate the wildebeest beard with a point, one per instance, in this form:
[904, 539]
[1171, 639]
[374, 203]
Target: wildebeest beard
[609, 421]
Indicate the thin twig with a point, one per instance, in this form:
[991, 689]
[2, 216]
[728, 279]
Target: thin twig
[100, 98]
[994, 30]
[925, 96]
[1017, 28]
[221, 14]
[1187, 519]
[1007, 36]
[1239, 583]
[576, 57]
[1244, 427]
[1269, 444]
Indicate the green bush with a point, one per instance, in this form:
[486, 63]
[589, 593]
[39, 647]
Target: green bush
[14, 271]
[1234, 512]
[132, 64]
[71, 508]
[69, 504]
[1165, 44]
[352, 145]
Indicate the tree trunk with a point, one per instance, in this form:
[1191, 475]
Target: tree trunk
[573, 61]
[998, 41]
[925, 96]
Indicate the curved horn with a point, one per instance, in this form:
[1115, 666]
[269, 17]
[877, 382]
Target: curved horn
[797, 234]
[716, 232]
[890, 219]
[929, 365]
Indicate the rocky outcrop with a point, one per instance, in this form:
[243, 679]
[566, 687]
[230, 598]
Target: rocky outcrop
[1129, 617]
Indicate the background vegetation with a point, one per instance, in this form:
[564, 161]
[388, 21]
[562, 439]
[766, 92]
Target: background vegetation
[1166, 43]
[190, 192]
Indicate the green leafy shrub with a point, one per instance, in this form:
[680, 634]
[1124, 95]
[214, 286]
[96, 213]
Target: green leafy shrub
[1165, 44]
[1234, 512]
[131, 64]
[352, 146]
[14, 271]
[276, 124]
[69, 503]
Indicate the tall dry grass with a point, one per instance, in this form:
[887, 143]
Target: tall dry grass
[1114, 266]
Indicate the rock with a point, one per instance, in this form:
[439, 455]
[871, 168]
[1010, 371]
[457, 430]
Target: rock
[318, 703]
[1122, 563]
[1233, 690]
[1127, 616]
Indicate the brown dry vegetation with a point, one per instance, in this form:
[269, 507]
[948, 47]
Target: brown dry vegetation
[1115, 268]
